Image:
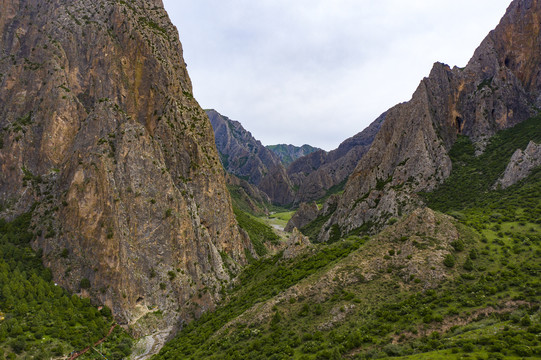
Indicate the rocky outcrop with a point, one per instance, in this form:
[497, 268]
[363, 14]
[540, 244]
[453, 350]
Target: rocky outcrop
[318, 172]
[306, 213]
[520, 165]
[289, 153]
[100, 130]
[498, 88]
[277, 186]
[296, 244]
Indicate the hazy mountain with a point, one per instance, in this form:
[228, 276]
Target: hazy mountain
[290, 153]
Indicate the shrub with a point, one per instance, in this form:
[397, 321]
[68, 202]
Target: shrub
[449, 261]
[85, 283]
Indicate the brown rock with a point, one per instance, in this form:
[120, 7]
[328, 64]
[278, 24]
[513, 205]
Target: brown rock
[497, 89]
[100, 129]
[318, 172]
[296, 244]
[306, 213]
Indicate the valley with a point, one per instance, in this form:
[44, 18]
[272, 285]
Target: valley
[134, 224]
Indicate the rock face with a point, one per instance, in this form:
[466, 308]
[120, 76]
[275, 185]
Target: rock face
[100, 130]
[296, 244]
[289, 153]
[244, 156]
[520, 165]
[306, 213]
[316, 173]
[499, 88]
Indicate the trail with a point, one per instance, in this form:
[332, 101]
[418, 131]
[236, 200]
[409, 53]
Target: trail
[76, 354]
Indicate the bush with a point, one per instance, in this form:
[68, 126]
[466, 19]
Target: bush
[449, 261]
[84, 284]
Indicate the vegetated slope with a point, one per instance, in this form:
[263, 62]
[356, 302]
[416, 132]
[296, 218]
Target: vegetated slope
[39, 319]
[244, 156]
[498, 88]
[429, 286]
[98, 126]
[258, 232]
[289, 153]
[474, 176]
[246, 196]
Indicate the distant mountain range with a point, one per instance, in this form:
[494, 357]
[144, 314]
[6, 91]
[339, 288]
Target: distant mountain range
[289, 153]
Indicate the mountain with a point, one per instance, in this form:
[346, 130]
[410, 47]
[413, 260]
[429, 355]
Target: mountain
[290, 153]
[499, 87]
[308, 177]
[316, 173]
[245, 157]
[103, 141]
[425, 255]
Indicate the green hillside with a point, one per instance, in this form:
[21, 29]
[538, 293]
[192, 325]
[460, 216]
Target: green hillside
[39, 320]
[463, 282]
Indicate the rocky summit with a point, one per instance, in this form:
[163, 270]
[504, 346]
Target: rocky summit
[499, 87]
[100, 135]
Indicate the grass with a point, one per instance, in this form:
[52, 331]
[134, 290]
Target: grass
[487, 308]
[258, 231]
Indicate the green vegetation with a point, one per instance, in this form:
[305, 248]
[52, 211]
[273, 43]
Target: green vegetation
[472, 177]
[312, 229]
[259, 282]
[242, 201]
[38, 319]
[487, 308]
[336, 189]
[259, 232]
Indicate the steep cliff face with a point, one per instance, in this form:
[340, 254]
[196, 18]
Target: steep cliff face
[244, 156]
[316, 173]
[497, 89]
[100, 130]
[289, 153]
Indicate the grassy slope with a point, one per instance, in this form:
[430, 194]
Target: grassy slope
[41, 319]
[259, 232]
[487, 309]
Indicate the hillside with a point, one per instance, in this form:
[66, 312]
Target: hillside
[245, 157]
[134, 224]
[410, 153]
[444, 286]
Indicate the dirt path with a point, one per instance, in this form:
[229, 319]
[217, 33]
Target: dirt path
[76, 354]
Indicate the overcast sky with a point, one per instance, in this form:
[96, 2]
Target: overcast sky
[319, 71]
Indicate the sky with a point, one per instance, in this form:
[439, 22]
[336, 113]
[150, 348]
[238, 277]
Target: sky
[319, 71]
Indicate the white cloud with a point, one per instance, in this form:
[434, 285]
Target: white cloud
[320, 71]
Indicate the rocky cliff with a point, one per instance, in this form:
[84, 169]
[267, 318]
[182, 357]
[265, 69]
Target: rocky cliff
[100, 130]
[318, 172]
[289, 153]
[520, 165]
[499, 87]
[244, 156]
